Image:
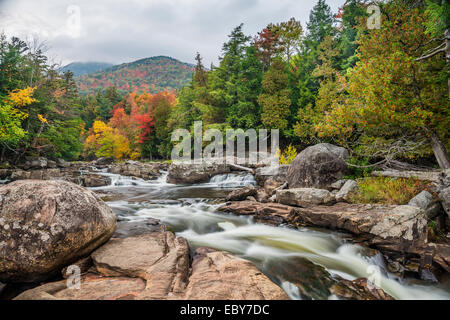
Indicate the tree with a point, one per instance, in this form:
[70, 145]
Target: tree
[290, 35]
[394, 106]
[275, 97]
[320, 23]
[268, 45]
[104, 141]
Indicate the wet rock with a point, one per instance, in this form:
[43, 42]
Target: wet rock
[94, 180]
[274, 173]
[46, 225]
[305, 197]
[5, 173]
[312, 281]
[392, 229]
[427, 203]
[270, 213]
[146, 171]
[242, 194]
[271, 185]
[359, 289]
[126, 229]
[62, 163]
[221, 276]
[103, 161]
[52, 164]
[37, 162]
[262, 196]
[187, 173]
[318, 167]
[349, 188]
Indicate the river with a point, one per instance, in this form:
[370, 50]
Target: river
[286, 255]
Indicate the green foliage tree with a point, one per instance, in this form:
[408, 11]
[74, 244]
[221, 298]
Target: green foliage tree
[275, 100]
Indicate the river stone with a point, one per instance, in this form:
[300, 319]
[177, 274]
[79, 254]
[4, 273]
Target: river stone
[46, 225]
[189, 173]
[318, 167]
[157, 267]
[242, 194]
[219, 275]
[426, 202]
[305, 197]
[95, 180]
[358, 289]
[274, 173]
[349, 188]
[102, 161]
[160, 258]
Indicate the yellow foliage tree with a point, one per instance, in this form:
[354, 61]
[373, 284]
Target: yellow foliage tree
[104, 141]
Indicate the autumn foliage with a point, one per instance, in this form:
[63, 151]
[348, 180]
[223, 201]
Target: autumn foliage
[131, 127]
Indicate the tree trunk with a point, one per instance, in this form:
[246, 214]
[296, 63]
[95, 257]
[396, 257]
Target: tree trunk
[440, 152]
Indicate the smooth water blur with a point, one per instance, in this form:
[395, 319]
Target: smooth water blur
[191, 212]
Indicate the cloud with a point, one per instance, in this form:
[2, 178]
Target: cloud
[123, 31]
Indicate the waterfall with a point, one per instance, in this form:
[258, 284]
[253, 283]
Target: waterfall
[233, 180]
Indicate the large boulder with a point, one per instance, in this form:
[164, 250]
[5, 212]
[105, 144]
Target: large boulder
[318, 167]
[46, 225]
[190, 173]
[305, 197]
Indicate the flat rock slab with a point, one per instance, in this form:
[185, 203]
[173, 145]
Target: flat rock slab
[156, 267]
[221, 276]
[398, 229]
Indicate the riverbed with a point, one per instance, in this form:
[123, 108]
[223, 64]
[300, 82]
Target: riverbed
[288, 256]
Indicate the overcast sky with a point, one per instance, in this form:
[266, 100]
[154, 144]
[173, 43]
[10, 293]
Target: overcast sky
[123, 31]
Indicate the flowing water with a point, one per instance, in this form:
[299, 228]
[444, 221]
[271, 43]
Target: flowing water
[285, 255]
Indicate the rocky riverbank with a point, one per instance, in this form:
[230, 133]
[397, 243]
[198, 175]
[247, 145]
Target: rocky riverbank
[47, 227]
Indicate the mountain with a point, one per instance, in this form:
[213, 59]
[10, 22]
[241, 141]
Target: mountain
[151, 74]
[84, 68]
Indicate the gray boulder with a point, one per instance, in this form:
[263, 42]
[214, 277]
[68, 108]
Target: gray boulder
[349, 188]
[444, 196]
[305, 197]
[189, 173]
[426, 202]
[274, 173]
[47, 225]
[242, 194]
[318, 166]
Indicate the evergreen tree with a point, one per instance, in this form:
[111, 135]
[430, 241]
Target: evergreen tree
[275, 100]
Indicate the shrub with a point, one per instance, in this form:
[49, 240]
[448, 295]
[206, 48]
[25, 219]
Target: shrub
[395, 191]
[288, 156]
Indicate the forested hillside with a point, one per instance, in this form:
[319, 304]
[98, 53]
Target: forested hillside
[381, 93]
[83, 68]
[154, 74]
